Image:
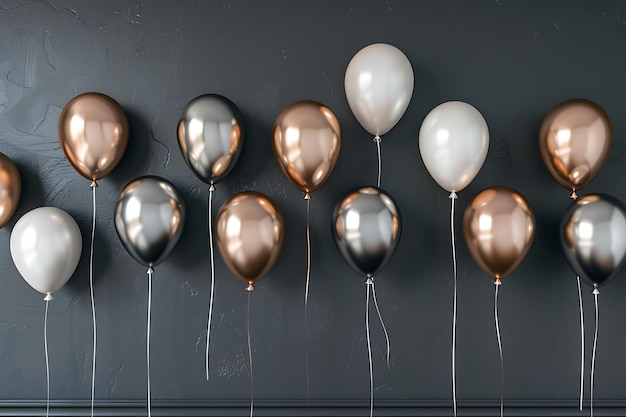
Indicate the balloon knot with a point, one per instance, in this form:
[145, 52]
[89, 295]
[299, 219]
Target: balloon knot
[497, 281]
[453, 195]
[250, 287]
[377, 139]
[573, 196]
[150, 270]
[595, 291]
[212, 187]
[307, 196]
[93, 184]
[369, 281]
[48, 297]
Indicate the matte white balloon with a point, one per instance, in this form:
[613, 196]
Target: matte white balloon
[453, 143]
[45, 246]
[379, 86]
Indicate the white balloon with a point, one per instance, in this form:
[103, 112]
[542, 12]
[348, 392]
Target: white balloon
[379, 86]
[45, 246]
[453, 143]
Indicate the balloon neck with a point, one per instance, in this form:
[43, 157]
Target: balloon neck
[573, 195]
[497, 281]
[250, 287]
[48, 297]
[369, 280]
[595, 291]
[377, 139]
[94, 184]
[212, 187]
[150, 270]
[307, 196]
[453, 195]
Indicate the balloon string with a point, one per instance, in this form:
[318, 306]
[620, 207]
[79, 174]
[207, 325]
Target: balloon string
[93, 303]
[377, 139]
[453, 197]
[368, 283]
[382, 323]
[208, 328]
[306, 303]
[595, 343]
[250, 358]
[150, 271]
[500, 350]
[45, 347]
[582, 344]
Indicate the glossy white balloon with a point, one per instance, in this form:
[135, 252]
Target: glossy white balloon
[379, 86]
[45, 246]
[453, 143]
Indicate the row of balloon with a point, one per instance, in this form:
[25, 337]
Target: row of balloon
[498, 224]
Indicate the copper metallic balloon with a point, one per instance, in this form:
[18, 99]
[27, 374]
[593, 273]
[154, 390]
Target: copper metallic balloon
[593, 237]
[499, 227]
[575, 140]
[93, 131]
[307, 142]
[250, 231]
[10, 189]
[210, 136]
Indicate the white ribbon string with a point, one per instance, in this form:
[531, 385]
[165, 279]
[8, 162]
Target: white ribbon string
[45, 348]
[377, 139]
[150, 271]
[453, 197]
[306, 300]
[382, 323]
[369, 283]
[595, 343]
[93, 302]
[582, 344]
[500, 350]
[208, 327]
[250, 358]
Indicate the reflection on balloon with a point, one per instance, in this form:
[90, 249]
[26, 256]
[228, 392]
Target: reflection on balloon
[149, 219]
[366, 227]
[307, 142]
[575, 140]
[250, 231]
[499, 227]
[210, 135]
[379, 86]
[593, 237]
[10, 189]
[46, 245]
[453, 143]
[93, 132]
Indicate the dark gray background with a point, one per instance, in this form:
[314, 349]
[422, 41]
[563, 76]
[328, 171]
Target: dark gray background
[511, 60]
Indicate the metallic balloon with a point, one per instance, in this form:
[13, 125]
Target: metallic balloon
[93, 131]
[307, 142]
[379, 85]
[575, 140]
[366, 227]
[210, 136]
[499, 227]
[149, 218]
[10, 189]
[250, 231]
[593, 237]
[46, 245]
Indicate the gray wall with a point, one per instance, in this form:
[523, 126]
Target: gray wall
[511, 60]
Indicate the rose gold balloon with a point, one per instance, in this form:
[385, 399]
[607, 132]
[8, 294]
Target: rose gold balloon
[93, 131]
[10, 189]
[249, 230]
[499, 227]
[575, 140]
[307, 142]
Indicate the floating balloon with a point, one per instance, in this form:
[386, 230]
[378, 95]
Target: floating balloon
[149, 218]
[593, 237]
[10, 189]
[499, 227]
[366, 227]
[453, 143]
[210, 136]
[46, 245]
[379, 86]
[93, 132]
[250, 231]
[575, 140]
[307, 142]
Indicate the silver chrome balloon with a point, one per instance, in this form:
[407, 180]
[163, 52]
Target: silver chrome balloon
[593, 237]
[210, 136]
[149, 218]
[366, 228]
